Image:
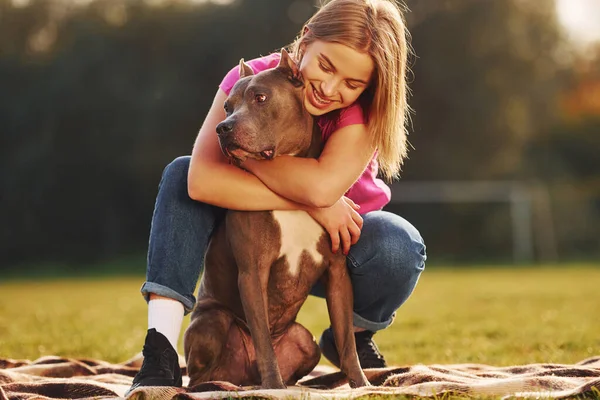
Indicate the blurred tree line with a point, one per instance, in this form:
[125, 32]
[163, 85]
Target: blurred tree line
[98, 96]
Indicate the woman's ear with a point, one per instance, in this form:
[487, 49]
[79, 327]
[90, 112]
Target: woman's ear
[302, 48]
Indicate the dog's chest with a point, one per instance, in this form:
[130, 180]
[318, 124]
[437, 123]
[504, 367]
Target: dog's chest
[300, 236]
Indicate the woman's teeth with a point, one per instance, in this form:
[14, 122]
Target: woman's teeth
[319, 99]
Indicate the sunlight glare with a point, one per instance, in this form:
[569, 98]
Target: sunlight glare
[20, 3]
[581, 19]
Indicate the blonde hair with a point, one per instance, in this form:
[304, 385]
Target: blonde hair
[375, 27]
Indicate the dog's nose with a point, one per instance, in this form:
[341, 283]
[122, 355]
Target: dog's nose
[224, 127]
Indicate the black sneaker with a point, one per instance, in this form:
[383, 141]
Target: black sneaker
[368, 352]
[161, 363]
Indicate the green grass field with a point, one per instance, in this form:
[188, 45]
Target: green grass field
[497, 316]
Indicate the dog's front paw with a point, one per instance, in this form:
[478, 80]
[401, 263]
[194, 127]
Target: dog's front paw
[275, 383]
[359, 381]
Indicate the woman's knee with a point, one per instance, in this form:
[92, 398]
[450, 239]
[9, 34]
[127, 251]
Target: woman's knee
[396, 246]
[385, 265]
[409, 245]
[174, 179]
[177, 170]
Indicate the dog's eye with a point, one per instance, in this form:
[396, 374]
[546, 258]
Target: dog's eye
[260, 98]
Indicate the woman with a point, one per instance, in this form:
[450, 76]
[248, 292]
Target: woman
[352, 55]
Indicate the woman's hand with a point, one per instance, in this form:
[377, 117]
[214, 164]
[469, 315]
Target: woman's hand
[341, 221]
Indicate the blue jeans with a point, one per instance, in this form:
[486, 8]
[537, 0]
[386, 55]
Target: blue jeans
[384, 265]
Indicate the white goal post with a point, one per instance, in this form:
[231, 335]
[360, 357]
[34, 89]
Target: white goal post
[531, 217]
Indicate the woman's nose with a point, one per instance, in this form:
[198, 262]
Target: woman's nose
[328, 87]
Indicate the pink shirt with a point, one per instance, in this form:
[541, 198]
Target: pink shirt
[369, 192]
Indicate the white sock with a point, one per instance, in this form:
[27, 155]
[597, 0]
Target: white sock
[166, 316]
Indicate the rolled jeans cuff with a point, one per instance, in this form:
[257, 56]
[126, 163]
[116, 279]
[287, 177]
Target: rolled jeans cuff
[151, 287]
[361, 322]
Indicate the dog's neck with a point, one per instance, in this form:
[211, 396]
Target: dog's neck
[316, 143]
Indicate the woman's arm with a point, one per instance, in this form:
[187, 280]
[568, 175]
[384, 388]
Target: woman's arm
[212, 180]
[323, 181]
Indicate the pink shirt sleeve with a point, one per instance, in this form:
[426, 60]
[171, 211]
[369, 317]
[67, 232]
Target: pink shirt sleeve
[257, 65]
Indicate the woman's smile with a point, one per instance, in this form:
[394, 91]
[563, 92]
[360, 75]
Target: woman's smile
[317, 99]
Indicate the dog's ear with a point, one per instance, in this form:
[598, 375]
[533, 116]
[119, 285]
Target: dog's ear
[289, 67]
[245, 69]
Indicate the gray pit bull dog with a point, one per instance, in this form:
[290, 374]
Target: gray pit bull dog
[261, 266]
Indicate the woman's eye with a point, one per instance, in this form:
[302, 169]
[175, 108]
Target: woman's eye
[260, 98]
[324, 67]
[351, 86]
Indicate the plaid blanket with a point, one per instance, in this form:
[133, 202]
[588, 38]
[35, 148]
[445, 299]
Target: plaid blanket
[63, 378]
